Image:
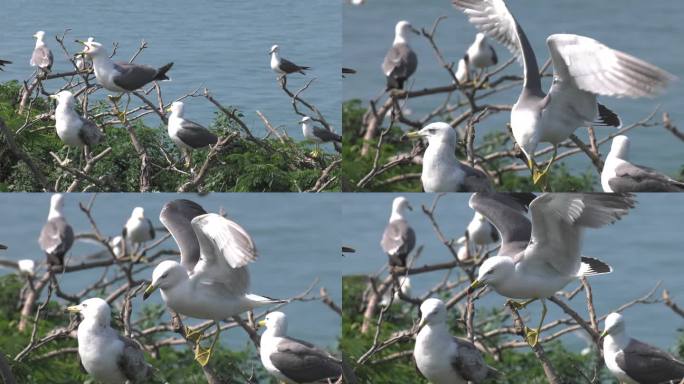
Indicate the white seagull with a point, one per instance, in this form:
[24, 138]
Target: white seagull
[619, 175]
[294, 361]
[535, 261]
[583, 69]
[138, 228]
[400, 61]
[399, 238]
[187, 134]
[283, 66]
[42, 55]
[216, 286]
[84, 63]
[318, 135]
[442, 172]
[73, 129]
[107, 356]
[634, 362]
[57, 236]
[442, 358]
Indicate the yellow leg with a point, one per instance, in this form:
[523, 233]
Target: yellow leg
[202, 355]
[532, 335]
[316, 152]
[537, 176]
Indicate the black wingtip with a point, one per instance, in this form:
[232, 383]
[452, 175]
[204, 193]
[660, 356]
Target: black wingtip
[595, 266]
[607, 117]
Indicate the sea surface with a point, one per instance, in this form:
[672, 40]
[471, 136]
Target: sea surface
[651, 31]
[643, 248]
[220, 45]
[296, 235]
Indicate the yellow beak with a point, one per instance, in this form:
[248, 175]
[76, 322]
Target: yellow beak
[261, 323]
[475, 285]
[604, 333]
[53, 97]
[73, 308]
[421, 324]
[168, 109]
[413, 135]
[148, 291]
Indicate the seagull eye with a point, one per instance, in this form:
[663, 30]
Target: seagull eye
[432, 131]
[490, 272]
[84, 305]
[164, 276]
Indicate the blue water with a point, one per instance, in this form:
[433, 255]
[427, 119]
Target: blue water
[651, 31]
[295, 246]
[221, 45]
[643, 248]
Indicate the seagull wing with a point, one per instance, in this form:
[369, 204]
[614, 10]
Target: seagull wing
[400, 62]
[636, 178]
[325, 135]
[493, 18]
[133, 76]
[226, 249]
[195, 135]
[506, 212]
[132, 363]
[398, 238]
[42, 57]
[557, 222]
[89, 134]
[468, 361]
[56, 237]
[647, 364]
[302, 362]
[593, 67]
[176, 216]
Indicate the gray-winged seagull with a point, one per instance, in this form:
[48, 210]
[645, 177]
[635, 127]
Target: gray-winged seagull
[442, 172]
[400, 61]
[399, 238]
[294, 361]
[42, 55]
[318, 135]
[583, 68]
[187, 134]
[619, 175]
[550, 258]
[107, 356]
[634, 362]
[283, 66]
[138, 228]
[57, 236]
[73, 129]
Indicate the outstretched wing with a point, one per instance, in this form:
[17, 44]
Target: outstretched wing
[493, 18]
[507, 213]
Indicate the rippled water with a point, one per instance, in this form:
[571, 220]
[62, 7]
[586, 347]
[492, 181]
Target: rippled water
[295, 246]
[649, 30]
[221, 45]
[643, 248]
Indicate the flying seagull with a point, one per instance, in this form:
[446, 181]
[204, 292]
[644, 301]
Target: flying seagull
[442, 172]
[121, 76]
[73, 129]
[398, 239]
[291, 360]
[583, 69]
[138, 228]
[442, 358]
[283, 66]
[536, 260]
[632, 361]
[57, 236]
[215, 288]
[187, 134]
[42, 55]
[107, 356]
[400, 62]
[619, 175]
[345, 71]
[318, 135]
[3, 63]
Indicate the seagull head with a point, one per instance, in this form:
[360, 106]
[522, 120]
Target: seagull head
[92, 48]
[274, 49]
[480, 217]
[306, 120]
[275, 323]
[400, 203]
[432, 311]
[138, 213]
[437, 134]
[614, 324]
[27, 267]
[39, 35]
[57, 202]
[166, 274]
[620, 147]
[480, 38]
[176, 108]
[493, 271]
[63, 97]
[403, 28]
[93, 309]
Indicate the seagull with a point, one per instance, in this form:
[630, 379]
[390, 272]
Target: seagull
[187, 134]
[536, 260]
[26, 267]
[291, 360]
[215, 288]
[107, 356]
[404, 288]
[442, 358]
[42, 55]
[398, 239]
[480, 231]
[73, 129]
[619, 175]
[583, 69]
[84, 63]
[442, 172]
[57, 236]
[400, 62]
[138, 228]
[318, 135]
[348, 71]
[283, 66]
[634, 362]
[121, 76]
[479, 55]
[462, 71]
[3, 63]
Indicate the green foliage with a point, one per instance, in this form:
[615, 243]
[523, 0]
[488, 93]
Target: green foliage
[516, 366]
[173, 365]
[243, 166]
[355, 166]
